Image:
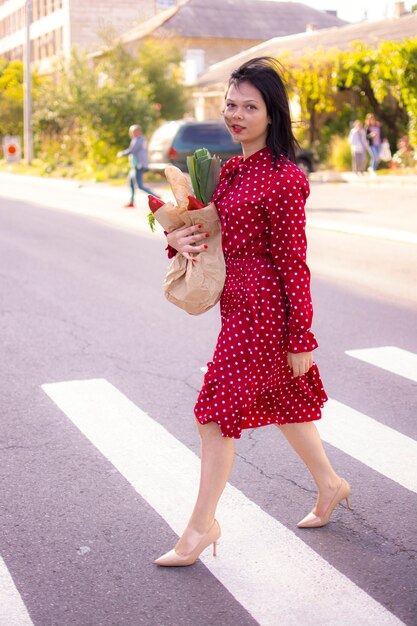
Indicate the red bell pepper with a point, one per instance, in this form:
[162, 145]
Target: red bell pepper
[155, 203]
[194, 204]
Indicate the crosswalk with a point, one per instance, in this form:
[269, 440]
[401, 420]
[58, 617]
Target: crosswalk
[12, 609]
[380, 447]
[281, 563]
[390, 358]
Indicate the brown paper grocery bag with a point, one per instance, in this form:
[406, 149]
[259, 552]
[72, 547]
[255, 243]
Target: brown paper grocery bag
[169, 216]
[196, 287]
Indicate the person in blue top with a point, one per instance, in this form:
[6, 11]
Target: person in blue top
[139, 162]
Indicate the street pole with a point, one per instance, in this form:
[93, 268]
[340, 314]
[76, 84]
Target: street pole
[27, 103]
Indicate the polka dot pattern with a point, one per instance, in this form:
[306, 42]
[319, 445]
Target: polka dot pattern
[266, 307]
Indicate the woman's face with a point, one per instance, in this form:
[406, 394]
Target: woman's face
[246, 116]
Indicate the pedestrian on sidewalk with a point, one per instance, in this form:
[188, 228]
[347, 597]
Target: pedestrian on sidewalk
[139, 162]
[359, 147]
[373, 137]
[262, 371]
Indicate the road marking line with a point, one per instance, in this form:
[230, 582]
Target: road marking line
[380, 447]
[12, 609]
[268, 569]
[390, 358]
[376, 232]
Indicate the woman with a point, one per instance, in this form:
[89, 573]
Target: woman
[373, 137]
[358, 146]
[262, 370]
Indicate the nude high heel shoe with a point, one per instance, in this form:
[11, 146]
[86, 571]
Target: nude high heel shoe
[173, 559]
[314, 521]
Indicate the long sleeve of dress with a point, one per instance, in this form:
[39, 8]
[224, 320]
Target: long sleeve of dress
[171, 252]
[285, 202]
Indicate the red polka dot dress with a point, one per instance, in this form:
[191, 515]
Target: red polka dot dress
[265, 307]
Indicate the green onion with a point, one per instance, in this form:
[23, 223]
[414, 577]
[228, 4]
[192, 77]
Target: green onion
[204, 171]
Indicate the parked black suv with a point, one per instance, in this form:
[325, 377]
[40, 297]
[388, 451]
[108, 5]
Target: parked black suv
[172, 142]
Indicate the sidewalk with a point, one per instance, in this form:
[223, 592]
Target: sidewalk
[385, 212]
[329, 176]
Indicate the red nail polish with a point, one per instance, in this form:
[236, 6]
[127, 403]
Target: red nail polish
[200, 226]
[206, 235]
[205, 246]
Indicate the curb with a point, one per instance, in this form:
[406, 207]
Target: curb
[375, 232]
[329, 176]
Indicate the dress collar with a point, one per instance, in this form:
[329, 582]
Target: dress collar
[238, 165]
[255, 157]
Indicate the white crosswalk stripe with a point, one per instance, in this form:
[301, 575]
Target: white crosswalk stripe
[12, 609]
[380, 447]
[390, 358]
[160, 467]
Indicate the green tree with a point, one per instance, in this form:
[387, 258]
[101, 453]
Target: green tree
[359, 72]
[160, 65]
[397, 79]
[84, 114]
[11, 96]
[310, 80]
[335, 87]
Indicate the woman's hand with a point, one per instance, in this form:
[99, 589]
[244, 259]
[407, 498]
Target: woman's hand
[183, 240]
[299, 362]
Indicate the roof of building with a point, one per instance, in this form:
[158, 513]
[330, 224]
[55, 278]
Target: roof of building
[340, 38]
[246, 19]
[235, 19]
[143, 29]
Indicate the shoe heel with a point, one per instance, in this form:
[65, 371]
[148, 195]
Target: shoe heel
[214, 548]
[348, 504]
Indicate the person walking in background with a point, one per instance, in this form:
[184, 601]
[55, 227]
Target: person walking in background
[262, 371]
[359, 147]
[139, 162]
[373, 137]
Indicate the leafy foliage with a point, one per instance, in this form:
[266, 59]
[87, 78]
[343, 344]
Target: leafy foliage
[160, 66]
[333, 88]
[82, 114]
[11, 96]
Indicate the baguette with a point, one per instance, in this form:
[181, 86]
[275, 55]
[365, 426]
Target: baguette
[181, 187]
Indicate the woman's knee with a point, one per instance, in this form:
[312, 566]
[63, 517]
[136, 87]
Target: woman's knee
[211, 432]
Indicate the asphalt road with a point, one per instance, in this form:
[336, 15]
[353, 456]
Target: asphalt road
[81, 300]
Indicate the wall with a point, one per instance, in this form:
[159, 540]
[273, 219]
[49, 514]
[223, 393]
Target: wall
[89, 18]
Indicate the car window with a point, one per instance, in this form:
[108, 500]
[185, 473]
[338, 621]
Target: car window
[207, 134]
[164, 133]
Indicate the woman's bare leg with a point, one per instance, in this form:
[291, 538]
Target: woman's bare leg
[217, 454]
[305, 440]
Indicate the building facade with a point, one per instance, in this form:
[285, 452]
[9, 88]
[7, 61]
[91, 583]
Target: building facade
[209, 91]
[209, 31]
[57, 25]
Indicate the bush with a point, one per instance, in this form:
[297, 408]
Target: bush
[340, 156]
[81, 118]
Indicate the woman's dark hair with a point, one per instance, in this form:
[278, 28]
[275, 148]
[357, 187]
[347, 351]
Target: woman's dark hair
[264, 73]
